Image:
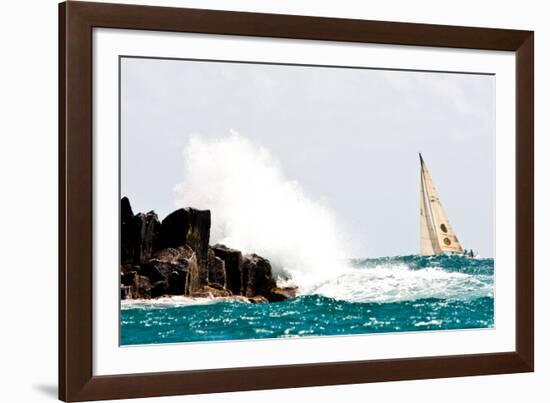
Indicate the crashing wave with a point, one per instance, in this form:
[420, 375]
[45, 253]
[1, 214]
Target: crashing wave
[410, 278]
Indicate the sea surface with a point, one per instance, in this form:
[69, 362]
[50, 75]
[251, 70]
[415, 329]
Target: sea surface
[392, 294]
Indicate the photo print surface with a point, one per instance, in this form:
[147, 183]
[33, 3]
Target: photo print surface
[279, 201]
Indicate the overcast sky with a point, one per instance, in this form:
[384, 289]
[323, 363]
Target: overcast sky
[350, 137]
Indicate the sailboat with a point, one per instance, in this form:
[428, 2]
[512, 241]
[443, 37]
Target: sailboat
[436, 234]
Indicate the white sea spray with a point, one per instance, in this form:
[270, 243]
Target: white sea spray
[395, 282]
[256, 208]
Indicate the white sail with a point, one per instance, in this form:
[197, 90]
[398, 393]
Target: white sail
[427, 243]
[436, 233]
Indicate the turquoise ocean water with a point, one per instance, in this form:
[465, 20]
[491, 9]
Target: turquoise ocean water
[393, 294]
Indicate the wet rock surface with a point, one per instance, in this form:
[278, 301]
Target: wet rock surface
[173, 257]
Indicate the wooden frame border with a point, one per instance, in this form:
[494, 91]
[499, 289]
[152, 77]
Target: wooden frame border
[76, 21]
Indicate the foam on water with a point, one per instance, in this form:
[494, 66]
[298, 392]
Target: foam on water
[256, 208]
[401, 283]
[409, 278]
[175, 301]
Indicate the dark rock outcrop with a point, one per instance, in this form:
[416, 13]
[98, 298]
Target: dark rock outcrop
[177, 282]
[174, 258]
[258, 299]
[209, 292]
[233, 260]
[176, 255]
[150, 269]
[198, 234]
[127, 273]
[173, 274]
[133, 285]
[167, 272]
[174, 266]
[125, 291]
[174, 228]
[159, 289]
[196, 277]
[149, 228]
[139, 234]
[216, 269]
[217, 286]
[141, 288]
[257, 277]
[128, 232]
[281, 294]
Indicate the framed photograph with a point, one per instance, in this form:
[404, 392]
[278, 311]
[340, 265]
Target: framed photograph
[254, 201]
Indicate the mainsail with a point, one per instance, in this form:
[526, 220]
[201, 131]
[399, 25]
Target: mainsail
[436, 234]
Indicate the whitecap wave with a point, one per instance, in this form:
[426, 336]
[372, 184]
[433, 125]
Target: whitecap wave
[388, 283]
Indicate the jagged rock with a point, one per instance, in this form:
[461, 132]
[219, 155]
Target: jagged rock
[174, 258]
[174, 255]
[177, 281]
[281, 294]
[139, 234]
[258, 299]
[198, 235]
[195, 276]
[257, 278]
[151, 270]
[173, 230]
[173, 274]
[126, 212]
[216, 270]
[210, 292]
[125, 291]
[233, 260]
[171, 265]
[149, 227]
[128, 232]
[127, 274]
[159, 289]
[141, 289]
[218, 287]
[133, 284]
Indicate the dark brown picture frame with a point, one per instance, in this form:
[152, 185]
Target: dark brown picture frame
[76, 22]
